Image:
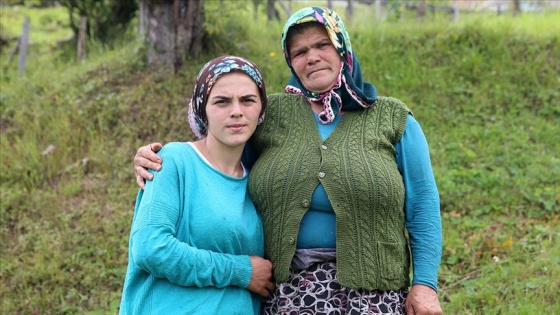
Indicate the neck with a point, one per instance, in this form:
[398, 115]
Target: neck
[223, 158]
[316, 107]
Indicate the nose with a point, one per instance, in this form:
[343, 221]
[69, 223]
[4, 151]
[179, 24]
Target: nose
[312, 56]
[236, 109]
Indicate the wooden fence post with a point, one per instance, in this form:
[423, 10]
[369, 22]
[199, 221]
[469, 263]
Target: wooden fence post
[23, 45]
[82, 38]
[455, 12]
[377, 10]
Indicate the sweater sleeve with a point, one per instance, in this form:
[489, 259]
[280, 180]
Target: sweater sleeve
[422, 207]
[155, 248]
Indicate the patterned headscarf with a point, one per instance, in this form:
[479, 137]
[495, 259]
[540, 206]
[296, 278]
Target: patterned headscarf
[350, 92]
[205, 80]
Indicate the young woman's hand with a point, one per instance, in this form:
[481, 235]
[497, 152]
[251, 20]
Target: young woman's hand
[146, 158]
[261, 278]
[422, 300]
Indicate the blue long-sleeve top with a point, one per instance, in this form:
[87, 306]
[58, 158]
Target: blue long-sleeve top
[193, 232]
[423, 223]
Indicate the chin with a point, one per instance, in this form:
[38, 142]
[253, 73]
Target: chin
[238, 141]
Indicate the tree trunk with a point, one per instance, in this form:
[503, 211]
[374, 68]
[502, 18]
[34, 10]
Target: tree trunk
[174, 31]
[421, 9]
[142, 20]
[349, 9]
[516, 7]
[271, 11]
[82, 38]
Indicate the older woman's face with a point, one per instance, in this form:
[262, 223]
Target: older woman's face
[314, 59]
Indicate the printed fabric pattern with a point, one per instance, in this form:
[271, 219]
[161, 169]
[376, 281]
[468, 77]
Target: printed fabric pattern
[316, 290]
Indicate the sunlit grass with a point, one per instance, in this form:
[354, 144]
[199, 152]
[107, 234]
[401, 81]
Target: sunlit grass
[47, 26]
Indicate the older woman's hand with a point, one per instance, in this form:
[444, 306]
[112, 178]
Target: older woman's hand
[146, 158]
[422, 300]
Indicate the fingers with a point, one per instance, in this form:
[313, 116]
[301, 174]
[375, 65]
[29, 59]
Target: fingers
[140, 182]
[271, 286]
[146, 158]
[408, 307]
[156, 146]
[149, 152]
[141, 170]
[266, 291]
[261, 277]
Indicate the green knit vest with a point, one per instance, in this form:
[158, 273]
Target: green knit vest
[357, 167]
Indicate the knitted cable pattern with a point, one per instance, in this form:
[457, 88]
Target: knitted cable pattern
[358, 170]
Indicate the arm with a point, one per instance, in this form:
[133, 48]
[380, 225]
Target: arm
[156, 249]
[423, 220]
[162, 255]
[146, 158]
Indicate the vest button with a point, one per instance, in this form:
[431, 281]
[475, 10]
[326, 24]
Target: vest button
[305, 203]
[322, 174]
[291, 240]
[324, 147]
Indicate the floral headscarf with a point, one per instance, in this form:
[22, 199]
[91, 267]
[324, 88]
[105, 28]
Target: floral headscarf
[350, 92]
[205, 80]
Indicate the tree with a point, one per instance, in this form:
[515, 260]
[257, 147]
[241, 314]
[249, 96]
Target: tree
[174, 31]
[349, 9]
[271, 11]
[107, 19]
[421, 9]
[516, 7]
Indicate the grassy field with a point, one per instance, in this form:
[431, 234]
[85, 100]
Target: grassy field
[485, 91]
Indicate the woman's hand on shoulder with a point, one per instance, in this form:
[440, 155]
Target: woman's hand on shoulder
[261, 277]
[146, 158]
[422, 300]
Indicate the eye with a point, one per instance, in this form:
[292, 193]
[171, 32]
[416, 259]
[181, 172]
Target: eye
[250, 100]
[220, 101]
[296, 53]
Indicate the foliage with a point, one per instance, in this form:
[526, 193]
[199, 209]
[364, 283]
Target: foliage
[107, 19]
[484, 90]
[48, 27]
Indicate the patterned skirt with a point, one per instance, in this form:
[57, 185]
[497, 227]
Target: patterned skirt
[316, 291]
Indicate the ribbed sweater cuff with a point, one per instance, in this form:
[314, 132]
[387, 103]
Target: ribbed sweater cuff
[242, 272]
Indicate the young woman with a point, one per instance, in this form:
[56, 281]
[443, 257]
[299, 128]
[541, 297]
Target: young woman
[196, 242]
[344, 182]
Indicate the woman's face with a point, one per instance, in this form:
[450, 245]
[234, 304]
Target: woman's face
[314, 59]
[233, 109]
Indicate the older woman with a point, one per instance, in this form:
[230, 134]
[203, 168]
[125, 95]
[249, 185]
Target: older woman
[344, 183]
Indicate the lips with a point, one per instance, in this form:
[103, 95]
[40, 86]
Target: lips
[315, 71]
[236, 127]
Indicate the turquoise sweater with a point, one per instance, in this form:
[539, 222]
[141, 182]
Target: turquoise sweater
[193, 231]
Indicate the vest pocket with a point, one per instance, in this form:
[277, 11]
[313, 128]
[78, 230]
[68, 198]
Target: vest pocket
[390, 257]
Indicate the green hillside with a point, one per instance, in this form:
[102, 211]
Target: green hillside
[485, 91]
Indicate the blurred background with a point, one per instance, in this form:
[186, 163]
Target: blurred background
[84, 83]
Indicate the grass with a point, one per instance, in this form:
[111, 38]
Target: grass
[484, 90]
